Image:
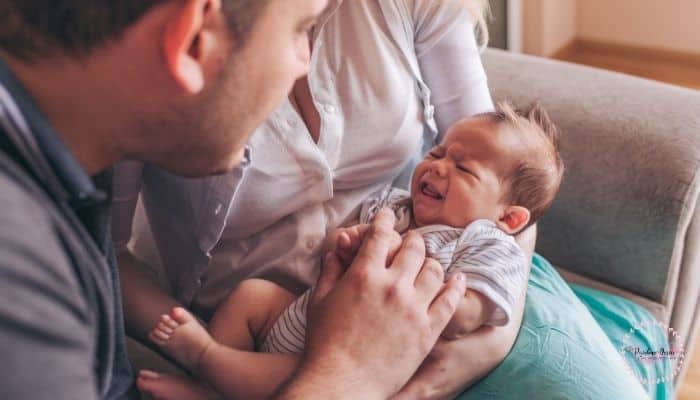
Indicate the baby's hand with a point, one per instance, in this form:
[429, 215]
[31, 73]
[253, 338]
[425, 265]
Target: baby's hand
[348, 241]
[472, 313]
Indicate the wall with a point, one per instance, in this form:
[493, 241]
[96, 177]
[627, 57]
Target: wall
[667, 24]
[549, 25]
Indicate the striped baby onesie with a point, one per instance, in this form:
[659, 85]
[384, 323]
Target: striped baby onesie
[492, 261]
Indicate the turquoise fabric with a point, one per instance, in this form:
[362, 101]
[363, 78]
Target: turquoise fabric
[629, 325]
[561, 351]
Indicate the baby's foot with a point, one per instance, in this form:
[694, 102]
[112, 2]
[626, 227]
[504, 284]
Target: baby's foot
[182, 337]
[173, 387]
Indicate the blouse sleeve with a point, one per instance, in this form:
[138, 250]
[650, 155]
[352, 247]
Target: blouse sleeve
[126, 187]
[450, 61]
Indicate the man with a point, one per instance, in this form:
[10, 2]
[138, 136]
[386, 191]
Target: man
[180, 84]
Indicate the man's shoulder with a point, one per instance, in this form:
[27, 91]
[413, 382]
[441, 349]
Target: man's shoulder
[30, 244]
[47, 338]
[20, 210]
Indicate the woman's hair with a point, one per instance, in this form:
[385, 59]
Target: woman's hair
[481, 11]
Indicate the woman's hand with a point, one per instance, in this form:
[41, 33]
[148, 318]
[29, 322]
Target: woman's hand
[455, 365]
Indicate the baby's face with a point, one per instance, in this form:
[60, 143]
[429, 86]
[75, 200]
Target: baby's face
[463, 178]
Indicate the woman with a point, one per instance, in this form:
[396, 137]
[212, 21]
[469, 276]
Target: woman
[378, 70]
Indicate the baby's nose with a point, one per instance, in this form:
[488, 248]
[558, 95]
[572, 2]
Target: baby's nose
[438, 167]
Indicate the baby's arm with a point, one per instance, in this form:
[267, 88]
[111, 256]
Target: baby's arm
[494, 266]
[473, 311]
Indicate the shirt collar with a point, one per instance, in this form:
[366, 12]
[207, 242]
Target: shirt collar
[64, 175]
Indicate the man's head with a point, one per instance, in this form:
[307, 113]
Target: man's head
[503, 166]
[185, 82]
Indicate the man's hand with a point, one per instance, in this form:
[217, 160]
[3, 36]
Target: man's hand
[371, 328]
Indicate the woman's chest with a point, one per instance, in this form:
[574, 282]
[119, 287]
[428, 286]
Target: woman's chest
[358, 104]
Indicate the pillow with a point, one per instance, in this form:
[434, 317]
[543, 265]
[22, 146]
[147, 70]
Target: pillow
[561, 352]
[629, 325]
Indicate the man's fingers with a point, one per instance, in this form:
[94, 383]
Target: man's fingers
[375, 246]
[331, 273]
[446, 302]
[408, 261]
[430, 279]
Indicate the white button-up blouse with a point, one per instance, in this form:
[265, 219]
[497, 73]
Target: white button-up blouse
[378, 70]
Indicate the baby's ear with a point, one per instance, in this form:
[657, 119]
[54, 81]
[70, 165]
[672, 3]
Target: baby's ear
[513, 219]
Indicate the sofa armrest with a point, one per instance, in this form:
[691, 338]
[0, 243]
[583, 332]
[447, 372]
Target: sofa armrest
[627, 214]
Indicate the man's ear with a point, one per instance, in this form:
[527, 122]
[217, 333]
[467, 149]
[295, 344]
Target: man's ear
[185, 42]
[513, 219]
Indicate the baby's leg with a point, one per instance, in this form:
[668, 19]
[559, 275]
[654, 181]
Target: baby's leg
[174, 387]
[243, 319]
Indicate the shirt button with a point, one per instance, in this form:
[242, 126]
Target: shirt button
[329, 108]
[218, 208]
[199, 281]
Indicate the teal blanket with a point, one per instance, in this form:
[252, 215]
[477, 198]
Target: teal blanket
[569, 347]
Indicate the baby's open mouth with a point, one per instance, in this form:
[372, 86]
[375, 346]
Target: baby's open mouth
[430, 191]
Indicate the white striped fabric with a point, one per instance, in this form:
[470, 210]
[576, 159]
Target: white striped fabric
[289, 331]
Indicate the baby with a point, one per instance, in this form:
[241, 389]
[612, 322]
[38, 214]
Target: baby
[492, 176]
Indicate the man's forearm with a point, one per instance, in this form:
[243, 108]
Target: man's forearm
[143, 299]
[324, 383]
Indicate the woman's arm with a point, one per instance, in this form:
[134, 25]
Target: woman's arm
[450, 61]
[143, 300]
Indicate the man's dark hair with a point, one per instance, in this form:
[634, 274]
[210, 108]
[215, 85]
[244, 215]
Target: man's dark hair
[30, 28]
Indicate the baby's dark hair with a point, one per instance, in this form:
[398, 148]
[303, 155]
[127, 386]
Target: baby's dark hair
[536, 176]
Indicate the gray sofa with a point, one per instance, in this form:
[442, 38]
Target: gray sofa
[626, 219]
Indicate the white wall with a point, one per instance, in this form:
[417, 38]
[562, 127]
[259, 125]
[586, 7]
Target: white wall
[548, 25]
[667, 24]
